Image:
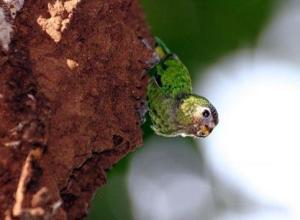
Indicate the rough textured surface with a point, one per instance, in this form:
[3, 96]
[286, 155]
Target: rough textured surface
[69, 109]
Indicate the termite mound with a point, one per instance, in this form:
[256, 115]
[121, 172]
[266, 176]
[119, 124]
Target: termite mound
[71, 86]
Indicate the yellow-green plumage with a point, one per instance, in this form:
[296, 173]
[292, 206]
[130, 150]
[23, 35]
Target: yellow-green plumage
[173, 109]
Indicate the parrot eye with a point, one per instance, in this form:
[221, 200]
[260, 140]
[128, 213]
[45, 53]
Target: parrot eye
[206, 113]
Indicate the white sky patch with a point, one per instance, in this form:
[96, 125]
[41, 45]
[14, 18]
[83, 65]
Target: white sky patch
[165, 182]
[255, 215]
[256, 146]
[259, 119]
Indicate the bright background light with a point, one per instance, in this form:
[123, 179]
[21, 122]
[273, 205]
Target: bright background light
[165, 182]
[256, 146]
[255, 149]
[250, 167]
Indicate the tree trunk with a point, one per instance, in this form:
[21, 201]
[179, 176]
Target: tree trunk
[72, 87]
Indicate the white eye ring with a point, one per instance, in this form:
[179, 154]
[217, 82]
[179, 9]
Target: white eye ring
[206, 113]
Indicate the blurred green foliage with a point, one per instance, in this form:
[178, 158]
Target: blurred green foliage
[112, 201]
[200, 32]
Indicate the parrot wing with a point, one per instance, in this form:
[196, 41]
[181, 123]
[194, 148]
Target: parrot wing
[169, 81]
[170, 74]
[161, 109]
[172, 77]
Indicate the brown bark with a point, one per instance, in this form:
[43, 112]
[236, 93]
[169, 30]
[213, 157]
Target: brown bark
[71, 86]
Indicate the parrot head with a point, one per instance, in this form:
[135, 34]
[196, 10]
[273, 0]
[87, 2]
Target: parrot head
[198, 116]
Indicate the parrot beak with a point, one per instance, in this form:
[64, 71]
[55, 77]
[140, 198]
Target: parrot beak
[205, 131]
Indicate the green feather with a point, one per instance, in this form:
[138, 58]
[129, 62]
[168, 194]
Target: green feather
[170, 80]
[169, 93]
[170, 74]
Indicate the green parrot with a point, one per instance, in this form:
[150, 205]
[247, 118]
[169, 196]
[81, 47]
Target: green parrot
[173, 109]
